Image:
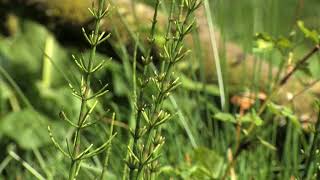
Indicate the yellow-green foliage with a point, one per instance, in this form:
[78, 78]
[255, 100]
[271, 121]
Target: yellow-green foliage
[12, 24]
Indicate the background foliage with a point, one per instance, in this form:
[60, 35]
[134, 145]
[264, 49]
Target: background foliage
[201, 139]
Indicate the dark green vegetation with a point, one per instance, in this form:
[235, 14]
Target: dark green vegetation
[162, 117]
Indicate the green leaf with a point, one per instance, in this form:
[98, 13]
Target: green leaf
[263, 36]
[284, 43]
[304, 68]
[27, 127]
[252, 117]
[274, 108]
[267, 144]
[262, 45]
[226, 117]
[284, 111]
[209, 163]
[263, 42]
[191, 85]
[311, 34]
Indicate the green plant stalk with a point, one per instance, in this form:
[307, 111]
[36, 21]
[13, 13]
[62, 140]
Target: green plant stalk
[161, 94]
[288, 151]
[172, 99]
[106, 159]
[138, 122]
[43, 164]
[47, 66]
[134, 99]
[75, 163]
[173, 53]
[141, 90]
[4, 163]
[216, 53]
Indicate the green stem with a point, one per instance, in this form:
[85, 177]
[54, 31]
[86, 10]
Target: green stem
[105, 164]
[47, 66]
[75, 163]
[216, 53]
[137, 127]
[141, 92]
[313, 148]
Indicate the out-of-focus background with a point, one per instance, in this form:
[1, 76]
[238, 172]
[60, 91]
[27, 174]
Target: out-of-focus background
[37, 39]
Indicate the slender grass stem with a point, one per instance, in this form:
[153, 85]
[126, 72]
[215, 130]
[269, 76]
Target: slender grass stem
[313, 148]
[106, 159]
[216, 54]
[33, 171]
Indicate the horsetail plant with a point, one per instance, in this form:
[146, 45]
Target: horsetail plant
[144, 151]
[76, 152]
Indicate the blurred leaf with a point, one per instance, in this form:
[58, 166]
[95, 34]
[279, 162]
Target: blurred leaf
[119, 81]
[120, 86]
[267, 144]
[311, 34]
[263, 42]
[274, 108]
[284, 111]
[262, 46]
[189, 84]
[252, 117]
[25, 49]
[53, 100]
[208, 161]
[284, 43]
[27, 127]
[304, 68]
[226, 117]
[263, 36]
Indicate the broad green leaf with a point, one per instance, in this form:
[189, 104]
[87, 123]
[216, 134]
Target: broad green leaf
[25, 51]
[209, 162]
[226, 117]
[55, 100]
[28, 128]
[252, 117]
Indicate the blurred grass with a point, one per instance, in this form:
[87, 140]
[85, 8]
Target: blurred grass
[238, 21]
